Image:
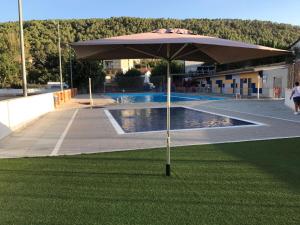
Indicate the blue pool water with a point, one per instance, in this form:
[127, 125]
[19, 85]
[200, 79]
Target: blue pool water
[154, 119]
[157, 97]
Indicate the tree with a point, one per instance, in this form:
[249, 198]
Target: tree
[83, 70]
[158, 73]
[9, 72]
[133, 73]
[130, 81]
[9, 61]
[161, 68]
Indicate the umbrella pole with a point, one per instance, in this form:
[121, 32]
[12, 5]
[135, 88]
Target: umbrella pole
[168, 162]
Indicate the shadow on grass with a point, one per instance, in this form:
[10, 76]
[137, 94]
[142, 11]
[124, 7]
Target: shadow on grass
[280, 158]
[79, 174]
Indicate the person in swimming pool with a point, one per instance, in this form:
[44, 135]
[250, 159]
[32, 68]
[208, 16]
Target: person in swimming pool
[296, 97]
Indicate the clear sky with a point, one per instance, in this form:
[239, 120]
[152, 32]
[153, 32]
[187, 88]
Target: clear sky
[287, 11]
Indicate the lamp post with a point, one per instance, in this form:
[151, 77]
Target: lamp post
[22, 48]
[71, 66]
[59, 53]
[258, 85]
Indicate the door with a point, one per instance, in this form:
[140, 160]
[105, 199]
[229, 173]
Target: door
[241, 87]
[249, 87]
[277, 82]
[234, 86]
[278, 87]
[221, 86]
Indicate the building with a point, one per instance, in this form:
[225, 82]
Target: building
[294, 72]
[111, 67]
[295, 47]
[273, 78]
[295, 68]
[191, 66]
[270, 81]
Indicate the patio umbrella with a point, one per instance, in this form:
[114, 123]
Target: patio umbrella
[169, 45]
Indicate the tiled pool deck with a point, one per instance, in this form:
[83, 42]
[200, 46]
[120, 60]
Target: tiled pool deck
[90, 131]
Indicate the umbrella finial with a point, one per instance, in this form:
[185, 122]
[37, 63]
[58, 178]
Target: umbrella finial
[173, 31]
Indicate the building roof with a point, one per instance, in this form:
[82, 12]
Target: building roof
[292, 45]
[248, 70]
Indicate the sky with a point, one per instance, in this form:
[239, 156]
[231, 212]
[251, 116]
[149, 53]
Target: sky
[287, 11]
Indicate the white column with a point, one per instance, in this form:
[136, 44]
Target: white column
[258, 85]
[90, 91]
[71, 67]
[168, 161]
[59, 54]
[22, 48]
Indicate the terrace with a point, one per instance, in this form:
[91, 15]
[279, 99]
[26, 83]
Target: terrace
[92, 131]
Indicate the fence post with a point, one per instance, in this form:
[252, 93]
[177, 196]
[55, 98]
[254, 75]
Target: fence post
[90, 90]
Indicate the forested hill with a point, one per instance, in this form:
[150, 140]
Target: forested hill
[41, 37]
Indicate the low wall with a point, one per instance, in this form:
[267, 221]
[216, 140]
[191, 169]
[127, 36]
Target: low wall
[289, 102]
[11, 91]
[61, 97]
[15, 113]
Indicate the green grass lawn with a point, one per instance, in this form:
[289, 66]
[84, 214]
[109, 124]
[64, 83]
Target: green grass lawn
[241, 183]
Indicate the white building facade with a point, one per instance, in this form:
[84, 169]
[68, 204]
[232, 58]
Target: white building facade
[111, 67]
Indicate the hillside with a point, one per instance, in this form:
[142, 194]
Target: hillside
[41, 40]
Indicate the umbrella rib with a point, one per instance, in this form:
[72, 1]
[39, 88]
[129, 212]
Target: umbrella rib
[143, 52]
[197, 50]
[180, 50]
[202, 48]
[160, 46]
[189, 53]
[96, 53]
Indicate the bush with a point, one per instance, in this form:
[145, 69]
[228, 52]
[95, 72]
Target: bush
[130, 81]
[159, 72]
[133, 73]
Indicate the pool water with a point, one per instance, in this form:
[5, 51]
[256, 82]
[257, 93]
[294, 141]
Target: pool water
[157, 97]
[154, 119]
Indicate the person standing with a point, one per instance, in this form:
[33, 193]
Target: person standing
[296, 97]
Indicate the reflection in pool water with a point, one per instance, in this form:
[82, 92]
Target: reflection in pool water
[154, 119]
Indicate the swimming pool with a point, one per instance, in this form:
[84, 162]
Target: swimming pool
[182, 118]
[158, 97]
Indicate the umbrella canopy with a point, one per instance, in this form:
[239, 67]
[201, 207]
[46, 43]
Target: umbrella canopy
[172, 44]
[184, 45]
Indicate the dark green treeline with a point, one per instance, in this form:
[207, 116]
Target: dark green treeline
[42, 53]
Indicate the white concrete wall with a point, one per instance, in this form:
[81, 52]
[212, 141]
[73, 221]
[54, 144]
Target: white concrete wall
[268, 85]
[120, 64]
[289, 102]
[126, 64]
[15, 113]
[227, 89]
[268, 92]
[4, 119]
